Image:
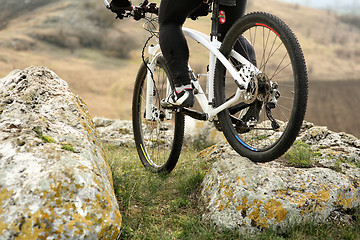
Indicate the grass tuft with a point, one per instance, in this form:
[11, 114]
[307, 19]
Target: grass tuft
[300, 155]
[43, 137]
[68, 147]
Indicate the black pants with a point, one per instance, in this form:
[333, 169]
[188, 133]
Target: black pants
[172, 16]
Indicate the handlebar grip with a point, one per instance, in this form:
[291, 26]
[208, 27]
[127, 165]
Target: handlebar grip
[137, 12]
[107, 4]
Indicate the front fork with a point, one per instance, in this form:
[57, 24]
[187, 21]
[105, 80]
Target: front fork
[153, 112]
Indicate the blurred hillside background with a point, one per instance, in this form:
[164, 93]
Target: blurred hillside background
[339, 6]
[99, 56]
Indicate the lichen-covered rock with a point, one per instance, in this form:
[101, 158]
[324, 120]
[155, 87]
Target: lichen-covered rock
[201, 132]
[239, 194]
[334, 150]
[55, 182]
[115, 132]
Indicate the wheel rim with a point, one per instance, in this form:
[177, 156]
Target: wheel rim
[275, 61]
[157, 134]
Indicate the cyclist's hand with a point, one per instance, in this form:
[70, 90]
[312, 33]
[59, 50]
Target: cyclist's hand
[119, 7]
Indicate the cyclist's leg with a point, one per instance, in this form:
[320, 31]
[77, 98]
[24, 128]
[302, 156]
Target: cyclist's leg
[172, 16]
[233, 13]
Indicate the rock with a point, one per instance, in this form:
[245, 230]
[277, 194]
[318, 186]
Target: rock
[239, 194]
[338, 151]
[55, 182]
[201, 133]
[120, 132]
[115, 132]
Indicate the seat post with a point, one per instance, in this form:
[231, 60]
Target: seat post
[215, 20]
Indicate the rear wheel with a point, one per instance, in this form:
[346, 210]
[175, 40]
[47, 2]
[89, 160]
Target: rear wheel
[266, 125]
[158, 139]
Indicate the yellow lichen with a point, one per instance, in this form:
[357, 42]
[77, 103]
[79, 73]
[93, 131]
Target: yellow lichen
[274, 209]
[243, 206]
[228, 192]
[300, 198]
[221, 207]
[343, 200]
[4, 194]
[255, 213]
[204, 153]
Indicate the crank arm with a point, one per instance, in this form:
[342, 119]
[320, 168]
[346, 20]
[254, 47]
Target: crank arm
[238, 107]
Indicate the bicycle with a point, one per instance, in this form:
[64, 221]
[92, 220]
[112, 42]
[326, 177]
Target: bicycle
[275, 85]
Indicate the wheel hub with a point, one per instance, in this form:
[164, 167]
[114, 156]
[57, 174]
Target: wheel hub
[264, 86]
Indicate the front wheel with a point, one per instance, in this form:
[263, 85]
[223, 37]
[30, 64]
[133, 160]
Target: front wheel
[158, 134]
[265, 124]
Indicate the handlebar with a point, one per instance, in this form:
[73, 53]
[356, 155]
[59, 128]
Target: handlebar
[138, 12]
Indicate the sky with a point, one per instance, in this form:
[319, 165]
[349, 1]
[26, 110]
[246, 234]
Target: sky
[336, 5]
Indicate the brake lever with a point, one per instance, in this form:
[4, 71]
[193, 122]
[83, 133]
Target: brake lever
[138, 13]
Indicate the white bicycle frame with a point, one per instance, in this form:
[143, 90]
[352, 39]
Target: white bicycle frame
[242, 77]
